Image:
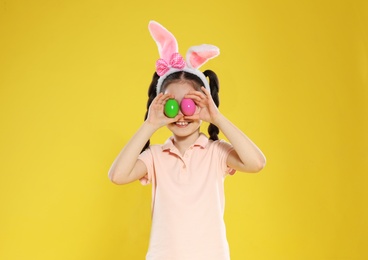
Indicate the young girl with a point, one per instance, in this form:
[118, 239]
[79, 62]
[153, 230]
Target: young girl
[187, 172]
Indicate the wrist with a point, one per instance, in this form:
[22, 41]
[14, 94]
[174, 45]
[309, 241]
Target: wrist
[150, 126]
[218, 119]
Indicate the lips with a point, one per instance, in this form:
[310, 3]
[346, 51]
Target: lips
[181, 123]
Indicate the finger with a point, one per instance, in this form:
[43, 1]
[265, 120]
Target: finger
[205, 91]
[195, 93]
[192, 117]
[198, 98]
[162, 98]
[157, 97]
[195, 97]
[174, 119]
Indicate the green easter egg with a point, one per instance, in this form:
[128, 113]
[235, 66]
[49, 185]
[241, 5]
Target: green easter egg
[171, 108]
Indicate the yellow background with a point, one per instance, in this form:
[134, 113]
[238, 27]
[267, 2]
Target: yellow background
[73, 83]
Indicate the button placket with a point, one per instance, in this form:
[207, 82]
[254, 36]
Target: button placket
[187, 157]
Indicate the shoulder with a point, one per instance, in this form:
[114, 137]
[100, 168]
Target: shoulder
[220, 148]
[220, 144]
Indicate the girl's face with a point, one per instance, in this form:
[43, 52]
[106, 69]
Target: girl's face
[182, 128]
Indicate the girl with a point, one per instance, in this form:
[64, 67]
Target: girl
[187, 172]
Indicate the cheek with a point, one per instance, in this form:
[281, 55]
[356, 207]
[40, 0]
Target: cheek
[197, 123]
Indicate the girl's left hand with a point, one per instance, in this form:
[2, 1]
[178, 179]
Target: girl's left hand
[208, 110]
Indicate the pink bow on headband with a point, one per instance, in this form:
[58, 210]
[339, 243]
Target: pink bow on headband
[176, 61]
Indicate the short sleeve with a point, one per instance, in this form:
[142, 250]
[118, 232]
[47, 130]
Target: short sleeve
[147, 158]
[224, 150]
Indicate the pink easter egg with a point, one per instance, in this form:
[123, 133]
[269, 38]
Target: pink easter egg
[187, 106]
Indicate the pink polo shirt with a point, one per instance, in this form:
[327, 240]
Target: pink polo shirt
[187, 200]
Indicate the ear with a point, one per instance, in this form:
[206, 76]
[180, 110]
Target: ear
[199, 55]
[166, 42]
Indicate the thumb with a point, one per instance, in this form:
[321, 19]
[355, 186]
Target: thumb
[177, 118]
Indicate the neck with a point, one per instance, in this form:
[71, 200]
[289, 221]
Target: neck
[184, 142]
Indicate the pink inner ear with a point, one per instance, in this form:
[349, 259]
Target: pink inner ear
[197, 59]
[165, 41]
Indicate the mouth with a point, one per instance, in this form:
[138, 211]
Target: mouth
[182, 123]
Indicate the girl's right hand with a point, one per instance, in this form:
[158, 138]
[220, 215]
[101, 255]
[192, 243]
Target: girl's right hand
[156, 116]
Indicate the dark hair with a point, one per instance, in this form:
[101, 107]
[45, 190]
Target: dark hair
[213, 130]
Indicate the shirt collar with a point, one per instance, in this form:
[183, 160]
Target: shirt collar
[201, 141]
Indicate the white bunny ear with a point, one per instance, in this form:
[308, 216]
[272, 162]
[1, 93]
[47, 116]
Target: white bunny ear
[166, 42]
[199, 55]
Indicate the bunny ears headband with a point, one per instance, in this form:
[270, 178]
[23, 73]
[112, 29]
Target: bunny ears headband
[171, 61]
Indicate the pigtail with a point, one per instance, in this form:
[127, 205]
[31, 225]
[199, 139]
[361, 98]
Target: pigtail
[213, 130]
[151, 96]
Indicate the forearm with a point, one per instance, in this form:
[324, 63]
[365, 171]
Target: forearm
[127, 158]
[250, 156]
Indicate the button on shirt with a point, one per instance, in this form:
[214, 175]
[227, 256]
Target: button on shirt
[187, 200]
